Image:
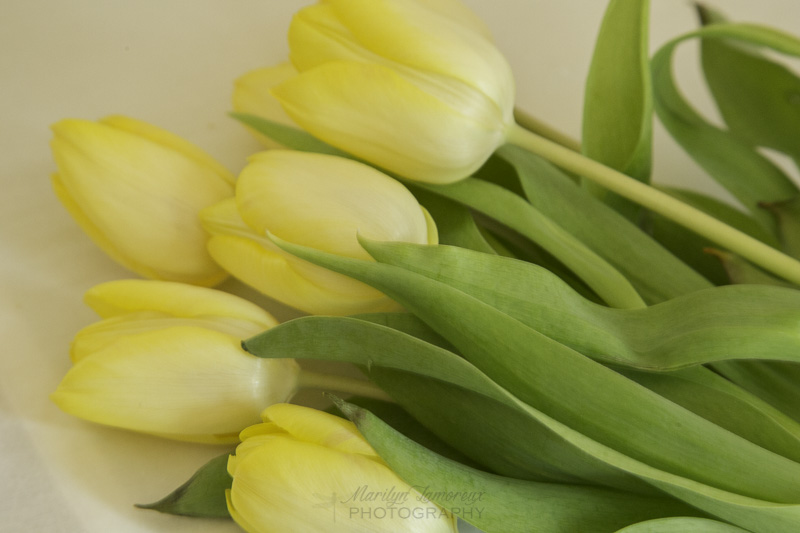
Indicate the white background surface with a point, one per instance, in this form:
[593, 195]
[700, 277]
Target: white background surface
[172, 63]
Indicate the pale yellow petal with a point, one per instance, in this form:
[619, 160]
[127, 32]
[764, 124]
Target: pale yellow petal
[185, 382]
[377, 115]
[324, 202]
[286, 279]
[316, 36]
[170, 140]
[286, 485]
[100, 335]
[142, 196]
[314, 426]
[94, 233]
[175, 299]
[430, 40]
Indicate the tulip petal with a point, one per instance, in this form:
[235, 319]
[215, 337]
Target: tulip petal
[169, 140]
[310, 425]
[325, 201]
[258, 262]
[277, 276]
[317, 36]
[288, 485]
[175, 299]
[100, 335]
[251, 95]
[378, 115]
[93, 232]
[183, 382]
[142, 196]
[425, 39]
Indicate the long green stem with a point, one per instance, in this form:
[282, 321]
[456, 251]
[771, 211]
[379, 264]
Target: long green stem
[734, 240]
[534, 125]
[331, 382]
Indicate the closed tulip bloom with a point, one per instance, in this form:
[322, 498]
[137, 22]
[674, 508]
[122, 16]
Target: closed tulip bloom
[412, 86]
[136, 190]
[319, 201]
[167, 360]
[305, 470]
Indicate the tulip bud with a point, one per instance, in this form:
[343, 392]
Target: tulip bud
[251, 95]
[414, 87]
[167, 360]
[319, 201]
[136, 190]
[305, 470]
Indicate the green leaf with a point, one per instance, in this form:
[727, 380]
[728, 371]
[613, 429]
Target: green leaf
[500, 504]
[618, 102]
[580, 393]
[759, 99]
[775, 382]
[401, 421]
[717, 399]
[732, 322]
[682, 525]
[432, 384]
[652, 339]
[655, 273]
[748, 175]
[513, 211]
[202, 496]
[295, 335]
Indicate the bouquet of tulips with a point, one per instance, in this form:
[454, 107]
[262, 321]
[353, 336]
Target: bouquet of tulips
[546, 341]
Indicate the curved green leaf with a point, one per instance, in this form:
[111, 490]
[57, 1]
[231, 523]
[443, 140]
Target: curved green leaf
[732, 322]
[202, 496]
[500, 504]
[519, 445]
[655, 273]
[514, 212]
[759, 99]
[748, 175]
[618, 102]
[580, 393]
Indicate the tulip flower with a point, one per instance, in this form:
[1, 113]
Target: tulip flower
[414, 87]
[136, 190]
[319, 201]
[167, 360]
[305, 470]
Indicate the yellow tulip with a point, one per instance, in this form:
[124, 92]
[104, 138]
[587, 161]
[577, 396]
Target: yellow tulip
[167, 360]
[251, 95]
[411, 86]
[305, 470]
[319, 201]
[136, 190]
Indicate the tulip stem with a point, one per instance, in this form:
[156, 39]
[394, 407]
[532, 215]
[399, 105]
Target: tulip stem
[693, 219]
[534, 125]
[348, 385]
